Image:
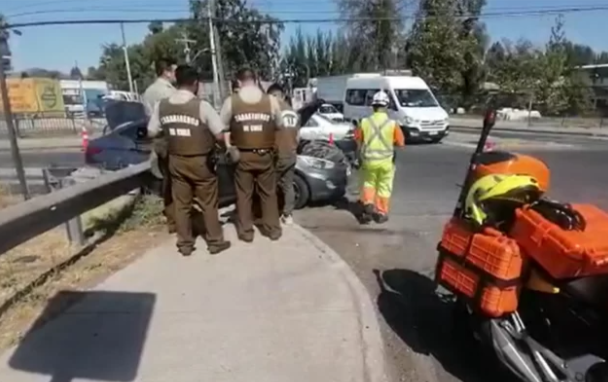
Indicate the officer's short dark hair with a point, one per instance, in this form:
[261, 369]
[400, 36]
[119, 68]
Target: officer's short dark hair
[161, 66]
[185, 75]
[246, 74]
[235, 85]
[275, 88]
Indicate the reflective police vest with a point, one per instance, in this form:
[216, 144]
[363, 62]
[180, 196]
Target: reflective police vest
[378, 137]
[186, 134]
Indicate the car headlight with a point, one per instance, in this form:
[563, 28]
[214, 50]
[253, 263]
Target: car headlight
[318, 163]
[408, 121]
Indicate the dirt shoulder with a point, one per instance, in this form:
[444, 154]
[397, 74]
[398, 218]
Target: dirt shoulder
[37, 270]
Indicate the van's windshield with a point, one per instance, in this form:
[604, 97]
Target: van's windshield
[415, 98]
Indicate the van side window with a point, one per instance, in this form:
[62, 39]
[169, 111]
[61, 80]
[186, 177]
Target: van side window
[369, 96]
[355, 97]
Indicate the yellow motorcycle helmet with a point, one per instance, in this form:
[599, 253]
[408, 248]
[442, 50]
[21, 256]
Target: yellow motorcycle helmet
[491, 192]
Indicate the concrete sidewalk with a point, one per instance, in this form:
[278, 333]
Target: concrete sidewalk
[475, 124]
[281, 311]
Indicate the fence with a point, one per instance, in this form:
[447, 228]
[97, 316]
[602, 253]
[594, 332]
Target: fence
[48, 125]
[543, 122]
[26, 220]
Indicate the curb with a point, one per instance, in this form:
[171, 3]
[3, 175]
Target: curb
[530, 131]
[375, 368]
[43, 148]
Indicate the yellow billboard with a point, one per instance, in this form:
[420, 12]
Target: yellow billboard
[35, 95]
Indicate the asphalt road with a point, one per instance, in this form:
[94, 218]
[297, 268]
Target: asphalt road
[421, 345]
[44, 158]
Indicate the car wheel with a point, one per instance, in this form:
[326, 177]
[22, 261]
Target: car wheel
[302, 193]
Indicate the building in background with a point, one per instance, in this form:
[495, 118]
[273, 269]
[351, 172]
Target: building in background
[84, 97]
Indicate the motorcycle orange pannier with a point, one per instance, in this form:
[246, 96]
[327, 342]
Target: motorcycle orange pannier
[483, 267]
[564, 254]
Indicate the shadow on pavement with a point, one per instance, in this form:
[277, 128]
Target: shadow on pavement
[108, 227]
[424, 320]
[100, 338]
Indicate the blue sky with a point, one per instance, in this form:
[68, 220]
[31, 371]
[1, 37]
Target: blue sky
[59, 47]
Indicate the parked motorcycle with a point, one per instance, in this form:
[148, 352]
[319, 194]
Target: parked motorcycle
[530, 274]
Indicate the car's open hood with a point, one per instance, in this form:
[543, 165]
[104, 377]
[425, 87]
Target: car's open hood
[121, 112]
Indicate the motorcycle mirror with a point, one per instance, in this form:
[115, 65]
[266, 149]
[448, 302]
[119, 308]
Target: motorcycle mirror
[489, 119]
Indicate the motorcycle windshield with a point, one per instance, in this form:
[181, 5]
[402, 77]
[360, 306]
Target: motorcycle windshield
[120, 112]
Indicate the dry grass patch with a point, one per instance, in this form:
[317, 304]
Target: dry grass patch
[7, 198]
[33, 272]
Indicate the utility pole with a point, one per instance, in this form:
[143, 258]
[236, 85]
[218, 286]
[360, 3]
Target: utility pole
[127, 63]
[220, 60]
[8, 116]
[216, 82]
[186, 41]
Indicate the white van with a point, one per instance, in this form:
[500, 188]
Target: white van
[413, 104]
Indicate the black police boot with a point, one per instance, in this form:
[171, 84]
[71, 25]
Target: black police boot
[186, 251]
[380, 218]
[219, 247]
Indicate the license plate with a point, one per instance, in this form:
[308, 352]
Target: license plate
[432, 133]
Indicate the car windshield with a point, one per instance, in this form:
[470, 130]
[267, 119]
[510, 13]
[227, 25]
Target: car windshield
[321, 116]
[328, 109]
[415, 98]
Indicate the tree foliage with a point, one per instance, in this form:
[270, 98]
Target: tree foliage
[447, 45]
[248, 37]
[377, 28]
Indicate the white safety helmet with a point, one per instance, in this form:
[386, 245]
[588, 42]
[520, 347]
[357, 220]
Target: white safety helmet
[380, 99]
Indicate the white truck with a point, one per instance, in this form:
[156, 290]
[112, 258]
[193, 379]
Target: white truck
[413, 104]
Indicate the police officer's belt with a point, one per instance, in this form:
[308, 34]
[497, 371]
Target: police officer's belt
[192, 155]
[257, 151]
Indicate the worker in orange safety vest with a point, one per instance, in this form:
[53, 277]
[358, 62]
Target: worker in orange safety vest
[377, 136]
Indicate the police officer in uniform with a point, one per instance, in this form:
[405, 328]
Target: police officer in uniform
[253, 118]
[192, 127]
[287, 145]
[162, 88]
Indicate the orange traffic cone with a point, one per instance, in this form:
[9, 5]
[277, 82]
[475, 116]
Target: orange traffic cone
[85, 138]
[331, 139]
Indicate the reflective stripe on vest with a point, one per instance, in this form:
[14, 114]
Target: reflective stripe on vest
[375, 145]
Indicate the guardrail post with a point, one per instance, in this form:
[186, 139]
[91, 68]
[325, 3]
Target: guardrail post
[74, 225]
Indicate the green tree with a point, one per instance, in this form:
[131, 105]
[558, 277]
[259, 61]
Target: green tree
[340, 55]
[513, 66]
[377, 28]
[295, 61]
[474, 40]
[76, 74]
[323, 53]
[550, 87]
[434, 49]
[248, 37]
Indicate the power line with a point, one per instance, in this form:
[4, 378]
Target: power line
[505, 14]
[496, 11]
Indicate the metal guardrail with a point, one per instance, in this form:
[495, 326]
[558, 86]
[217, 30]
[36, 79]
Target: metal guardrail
[26, 220]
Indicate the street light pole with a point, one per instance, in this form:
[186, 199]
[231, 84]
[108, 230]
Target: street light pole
[127, 63]
[216, 80]
[12, 134]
